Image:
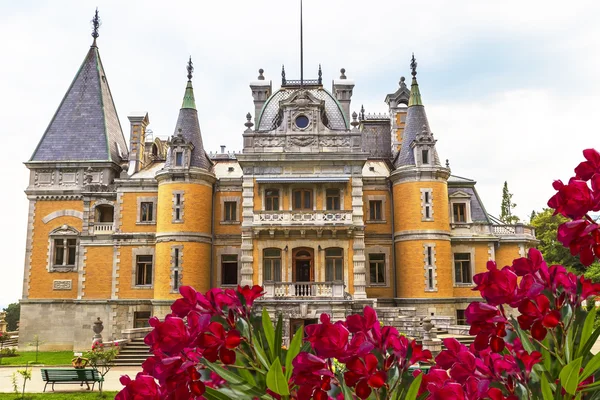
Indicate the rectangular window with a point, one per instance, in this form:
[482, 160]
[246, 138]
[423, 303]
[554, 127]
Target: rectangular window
[461, 319]
[302, 199]
[427, 204]
[459, 212]
[176, 258]
[272, 200]
[333, 199]
[177, 207]
[425, 156]
[146, 211]
[143, 275]
[375, 207]
[179, 159]
[334, 264]
[59, 251]
[141, 319]
[229, 269]
[175, 280]
[272, 265]
[462, 268]
[377, 268]
[71, 251]
[429, 268]
[230, 211]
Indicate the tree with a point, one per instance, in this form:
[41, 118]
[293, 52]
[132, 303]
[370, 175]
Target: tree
[13, 314]
[507, 206]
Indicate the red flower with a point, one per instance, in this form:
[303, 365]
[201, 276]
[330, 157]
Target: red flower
[573, 200]
[327, 339]
[488, 325]
[182, 306]
[496, 286]
[250, 294]
[142, 388]
[581, 237]
[530, 265]
[312, 375]
[364, 375]
[218, 343]
[587, 169]
[537, 316]
[362, 323]
[170, 336]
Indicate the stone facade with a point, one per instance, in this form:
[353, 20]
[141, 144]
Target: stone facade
[328, 211]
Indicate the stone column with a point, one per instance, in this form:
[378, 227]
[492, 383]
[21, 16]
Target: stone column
[247, 270]
[359, 239]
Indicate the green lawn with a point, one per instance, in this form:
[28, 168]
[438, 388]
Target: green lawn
[44, 357]
[59, 396]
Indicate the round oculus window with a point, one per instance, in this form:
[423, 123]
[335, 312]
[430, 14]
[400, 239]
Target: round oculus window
[302, 121]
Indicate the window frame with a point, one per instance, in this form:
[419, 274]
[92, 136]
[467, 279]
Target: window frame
[469, 268]
[377, 263]
[337, 261]
[147, 265]
[270, 199]
[333, 194]
[305, 194]
[146, 199]
[230, 211]
[427, 204]
[459, 205]
[141, 251]
[269, 263]
[63, 235]
[375, 210]
[230, 262]
[178, 206]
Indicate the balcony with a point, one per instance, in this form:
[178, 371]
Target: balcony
[303, 290]
[513, 230]
[299, 218]
[103, 228]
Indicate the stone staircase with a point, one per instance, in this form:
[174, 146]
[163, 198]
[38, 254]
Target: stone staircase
[13, 340]
[133, 353]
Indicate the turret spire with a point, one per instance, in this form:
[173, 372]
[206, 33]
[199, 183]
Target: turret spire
[188, 98]
[96, 26]
[415, 94]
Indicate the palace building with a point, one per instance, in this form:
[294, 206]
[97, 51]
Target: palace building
[328, 209]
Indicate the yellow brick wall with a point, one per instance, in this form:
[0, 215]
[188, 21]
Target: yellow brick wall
[41, 280]
[197, 207]
[410, 273]
[506, 253]
[126, 274]
[195, 268]
[387, 212]
[227, 229]
[98, 272]
[258, 198]
[407, 202]
[378, 292]
[481, 258]
[129, 212]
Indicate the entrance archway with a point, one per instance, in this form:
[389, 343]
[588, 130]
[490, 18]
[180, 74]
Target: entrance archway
[303, 264]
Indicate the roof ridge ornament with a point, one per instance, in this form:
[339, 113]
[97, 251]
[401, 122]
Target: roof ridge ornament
[190, 69]
[283, 81]
[343, 73]
[260, 74]
[320, 80]
[413, 66]
[96, 22]
[415, 93]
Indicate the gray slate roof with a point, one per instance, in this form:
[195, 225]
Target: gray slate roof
[377, 139]
[415, 119]
[85, 126]
[190, 130]
[478, 213]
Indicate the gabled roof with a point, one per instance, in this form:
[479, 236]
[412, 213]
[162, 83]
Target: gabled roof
[85, 126]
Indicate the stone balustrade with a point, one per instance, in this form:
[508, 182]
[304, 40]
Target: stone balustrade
[312, 218]
[304, 289]
[103, 228]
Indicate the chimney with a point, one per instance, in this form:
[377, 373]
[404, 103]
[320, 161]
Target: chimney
[342, 90]
[261, 91]
[137, 142]
[223, 149]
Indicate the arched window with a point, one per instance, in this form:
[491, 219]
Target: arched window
[334, 264]
[105, 213]
[271, 265]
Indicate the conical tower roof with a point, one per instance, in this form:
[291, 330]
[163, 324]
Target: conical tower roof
[189, 126]
[85, 126]
[416, 123]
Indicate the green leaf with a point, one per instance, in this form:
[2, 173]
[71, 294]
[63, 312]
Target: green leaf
[569, 346]
[268, 330]
[413, 390]
[586, 332]
[276, 380]
[590, 342]
[293, 351]
[569, 376]
[224, 373]
[260, 353]
[591, 367]
[546, 357]
[244, 373]
[278, 342]
[546, 390]
[213, 394]
[346, 391]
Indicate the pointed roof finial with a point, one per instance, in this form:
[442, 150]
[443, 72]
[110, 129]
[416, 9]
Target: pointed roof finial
[260, 74]
[343, 73]
[320, 75]
[362, 113]
[413, 65]
[415, 93]
[96, 22]
[283, 81]
[190, 69]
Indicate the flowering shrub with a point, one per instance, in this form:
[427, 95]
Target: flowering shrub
[101, 358]
[212, 347]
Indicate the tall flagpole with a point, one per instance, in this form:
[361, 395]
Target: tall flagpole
[301, 50]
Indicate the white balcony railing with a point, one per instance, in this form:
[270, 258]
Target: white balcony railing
[510, 230]
[303, 217]
[103, 228]
[303, 289]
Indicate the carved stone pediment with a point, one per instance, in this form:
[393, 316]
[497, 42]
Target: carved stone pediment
[302, 141]
[459, 194]
[302, 99]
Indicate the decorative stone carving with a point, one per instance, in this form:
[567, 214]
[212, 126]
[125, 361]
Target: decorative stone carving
[269, 141]
[334, 141]
[44, 178]
[62, 284]
[68, 178]
[301, 140]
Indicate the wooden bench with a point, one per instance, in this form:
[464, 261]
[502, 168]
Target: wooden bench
[70, 375]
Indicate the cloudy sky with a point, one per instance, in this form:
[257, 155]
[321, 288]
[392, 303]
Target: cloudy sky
[511, 88]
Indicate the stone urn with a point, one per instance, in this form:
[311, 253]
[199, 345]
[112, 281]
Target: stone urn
[427, 327]
[97, 328]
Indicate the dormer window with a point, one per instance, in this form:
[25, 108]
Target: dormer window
[460, 212]
[179, 159]
[425, 156]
